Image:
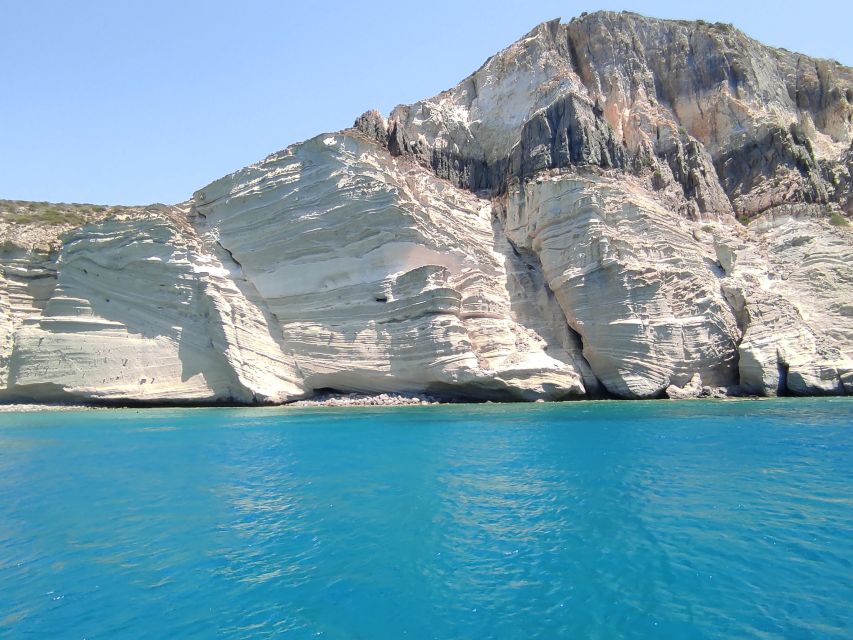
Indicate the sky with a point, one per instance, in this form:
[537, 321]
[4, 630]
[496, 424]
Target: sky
[136, 102]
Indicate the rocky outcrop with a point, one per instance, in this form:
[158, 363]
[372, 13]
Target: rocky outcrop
[701, 109]
[381, 277]
[616, 206]
[138, 312]
[790, 288]
[632, 281]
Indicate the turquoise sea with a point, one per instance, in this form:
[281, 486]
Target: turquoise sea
[577, 520]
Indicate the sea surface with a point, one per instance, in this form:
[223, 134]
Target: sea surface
[577, 520]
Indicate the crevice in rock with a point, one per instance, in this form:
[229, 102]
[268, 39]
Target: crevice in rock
[551, 315]
[782, 367]
[715, 267]
[416, 316]
[250, 293]
[574, 59]
[737, 304]
[595, 389]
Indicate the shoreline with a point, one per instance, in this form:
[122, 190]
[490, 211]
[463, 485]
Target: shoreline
[368, 400]
[32, 407]
[359, 400]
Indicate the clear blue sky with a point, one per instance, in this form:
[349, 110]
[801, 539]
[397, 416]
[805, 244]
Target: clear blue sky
[131, 102]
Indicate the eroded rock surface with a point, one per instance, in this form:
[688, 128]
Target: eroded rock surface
[632, 281]
[614, 206]
[380, 276]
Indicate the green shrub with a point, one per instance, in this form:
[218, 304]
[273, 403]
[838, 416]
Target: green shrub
[50, 216]
[838, 220]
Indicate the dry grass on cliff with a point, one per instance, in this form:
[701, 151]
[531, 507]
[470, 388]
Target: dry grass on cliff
[19, 212]
[43, 224]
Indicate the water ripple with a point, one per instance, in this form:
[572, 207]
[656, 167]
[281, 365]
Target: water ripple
[629, 520]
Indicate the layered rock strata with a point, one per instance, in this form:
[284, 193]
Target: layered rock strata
[616, 206]
[382, 277]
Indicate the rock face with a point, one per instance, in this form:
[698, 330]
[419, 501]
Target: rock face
[382, 277]
[635, 284]
[616, 206]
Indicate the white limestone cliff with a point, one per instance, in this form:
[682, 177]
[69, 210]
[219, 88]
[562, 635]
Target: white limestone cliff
[632, 280]
[382, 277]
[561, 224]
[136, 312]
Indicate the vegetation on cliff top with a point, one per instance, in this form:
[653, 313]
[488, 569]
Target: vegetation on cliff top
[21, 212]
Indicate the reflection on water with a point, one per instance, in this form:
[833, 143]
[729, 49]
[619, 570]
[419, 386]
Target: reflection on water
[633, 520]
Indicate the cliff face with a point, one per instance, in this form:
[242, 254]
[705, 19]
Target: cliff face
[614, 206]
